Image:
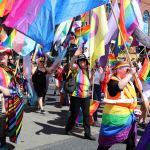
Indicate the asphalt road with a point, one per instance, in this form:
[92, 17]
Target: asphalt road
[46, 132]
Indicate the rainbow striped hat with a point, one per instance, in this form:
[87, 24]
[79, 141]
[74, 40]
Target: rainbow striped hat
[120, 64]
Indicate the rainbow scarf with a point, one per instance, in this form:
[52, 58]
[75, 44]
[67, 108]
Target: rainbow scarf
[116, 127]
[14, 105]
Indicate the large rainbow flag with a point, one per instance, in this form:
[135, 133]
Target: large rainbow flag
[131, 21]
[128, 20]
[37, 19]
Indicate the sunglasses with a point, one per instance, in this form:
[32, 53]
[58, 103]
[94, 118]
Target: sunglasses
[42, 61]
[10, 59]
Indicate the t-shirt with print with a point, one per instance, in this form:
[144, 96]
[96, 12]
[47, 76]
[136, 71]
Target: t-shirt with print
[82, 84]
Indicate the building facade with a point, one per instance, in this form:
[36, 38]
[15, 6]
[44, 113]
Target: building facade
[145, 9]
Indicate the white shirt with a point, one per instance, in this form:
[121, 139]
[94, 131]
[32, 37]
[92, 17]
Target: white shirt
[98, 76]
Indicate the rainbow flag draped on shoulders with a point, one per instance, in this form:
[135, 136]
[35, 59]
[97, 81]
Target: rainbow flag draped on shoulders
[115, 128]
[14, 105]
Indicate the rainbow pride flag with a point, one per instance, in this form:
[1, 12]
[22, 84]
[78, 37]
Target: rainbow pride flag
[83, 33]
[122, 24]
[148, 78]
[128, 20]
[93, 107]
[38, 18]
[115, 128]
[131, 21]
[4, 78]
[144, 73]
[9, 41]
[20, 43]
[112, 59]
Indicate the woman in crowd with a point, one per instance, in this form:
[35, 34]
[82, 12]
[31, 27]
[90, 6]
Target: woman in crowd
[39, 81]
[118, 119]
[98, 76]
[39, 72]
[12, 108]
[80, 96]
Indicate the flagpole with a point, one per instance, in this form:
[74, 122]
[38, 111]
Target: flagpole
[35, 53]
[128, 55]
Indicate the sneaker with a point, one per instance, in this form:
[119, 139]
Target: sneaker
[38, 110]
[90, 137]
[43, 112]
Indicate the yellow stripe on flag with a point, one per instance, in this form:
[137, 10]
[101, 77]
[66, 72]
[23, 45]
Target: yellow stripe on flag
[98, 31]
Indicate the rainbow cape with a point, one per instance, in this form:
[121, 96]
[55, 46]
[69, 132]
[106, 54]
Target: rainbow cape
[14, 105]
[116, 127]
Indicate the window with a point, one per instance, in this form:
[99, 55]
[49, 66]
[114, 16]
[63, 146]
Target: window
[146, 18]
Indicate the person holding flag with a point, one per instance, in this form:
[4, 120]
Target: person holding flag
[119, 119]
[12, 103]
[80, 96]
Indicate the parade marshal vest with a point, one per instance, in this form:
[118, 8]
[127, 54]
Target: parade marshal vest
[125, 98]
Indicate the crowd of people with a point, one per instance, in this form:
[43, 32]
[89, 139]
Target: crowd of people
[120, 87]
